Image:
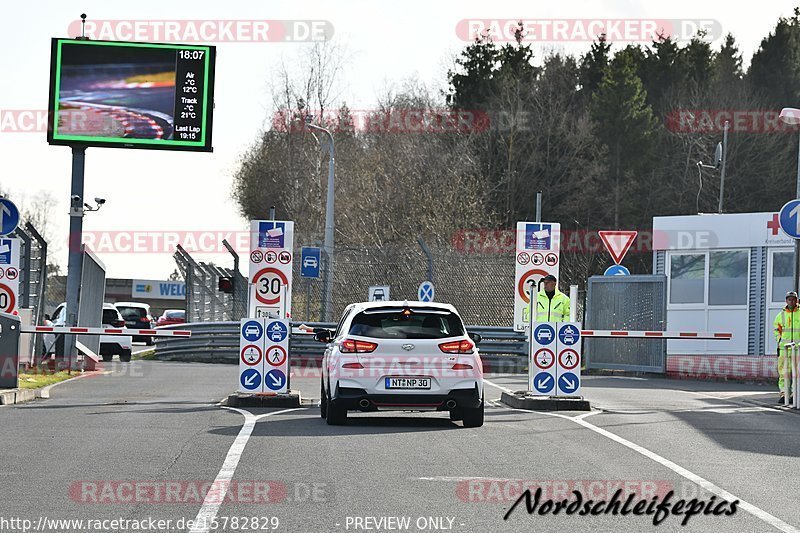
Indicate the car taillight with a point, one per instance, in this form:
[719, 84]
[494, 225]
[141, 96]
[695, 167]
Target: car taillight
[354, 346]
[457, 347]
[352, 365]
[118, 323]
[462, 366]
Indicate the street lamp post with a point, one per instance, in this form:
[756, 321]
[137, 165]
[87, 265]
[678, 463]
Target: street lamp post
[328, 242]
[791, 115]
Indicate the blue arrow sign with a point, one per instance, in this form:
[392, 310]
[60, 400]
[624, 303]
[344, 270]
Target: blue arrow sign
[617, 270]
[252, 330]
[569, 334]
[276, 331]
[9, 216]
[544, 334]
[310, 262]
[250, 379]
[275, 379]
[425, 292]
[543, 382]
[569, 382]
[789, 218]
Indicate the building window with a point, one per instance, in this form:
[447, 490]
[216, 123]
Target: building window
[727, 277]
[781, 275]
[687, 278]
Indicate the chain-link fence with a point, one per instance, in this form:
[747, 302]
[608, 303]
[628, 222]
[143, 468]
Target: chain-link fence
[32, 281]
[204, 301]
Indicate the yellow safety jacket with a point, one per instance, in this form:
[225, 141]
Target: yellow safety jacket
[555, 309]
[787, 329]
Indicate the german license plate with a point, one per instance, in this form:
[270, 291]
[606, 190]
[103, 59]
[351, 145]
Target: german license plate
[408, 383]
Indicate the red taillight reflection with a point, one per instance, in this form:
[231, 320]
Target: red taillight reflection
[464, 346]
[352, 365]
[354, 346]
[462, 366]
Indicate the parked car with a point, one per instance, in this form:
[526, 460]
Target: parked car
[137, 316]
[110, 345]
[171, 316]
[401, 356]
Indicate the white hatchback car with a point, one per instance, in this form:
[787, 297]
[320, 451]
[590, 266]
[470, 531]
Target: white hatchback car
[401, 356]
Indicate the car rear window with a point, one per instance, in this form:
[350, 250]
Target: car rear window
[132, 313]
[176, 314]
[110, 316]
[416, 325]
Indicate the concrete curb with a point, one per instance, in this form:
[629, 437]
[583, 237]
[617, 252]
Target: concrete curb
[520, 400]
[239, 399]
[15, 396]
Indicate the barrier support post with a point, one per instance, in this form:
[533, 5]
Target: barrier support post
[788, 348]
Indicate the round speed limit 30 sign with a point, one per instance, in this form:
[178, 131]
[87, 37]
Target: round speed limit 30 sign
[8, 301]
[269, 283]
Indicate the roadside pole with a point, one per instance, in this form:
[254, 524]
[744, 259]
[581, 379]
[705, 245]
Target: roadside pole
[573, 297]
[75, 259]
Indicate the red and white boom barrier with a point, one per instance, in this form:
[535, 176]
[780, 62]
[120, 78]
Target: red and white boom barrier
[699, 335]
[106, 331]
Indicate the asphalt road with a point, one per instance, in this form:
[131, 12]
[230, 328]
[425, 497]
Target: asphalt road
[156, 427]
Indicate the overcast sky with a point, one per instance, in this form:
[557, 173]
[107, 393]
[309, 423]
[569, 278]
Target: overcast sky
[180, 191]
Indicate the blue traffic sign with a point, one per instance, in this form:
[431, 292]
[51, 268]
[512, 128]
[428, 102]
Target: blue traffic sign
[275, 379]
[252, 330]
[543, 382]
[250, 379]
[569, 382]
[9, 216]
[569, 334]
[425, 292]
[789, 218]
[276, 331]
[544, 334]
[617, 270]
[5, 251]
[310, 262]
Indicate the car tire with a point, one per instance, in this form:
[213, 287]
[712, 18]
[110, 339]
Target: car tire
[456, 415]
[148, 341]
[323, 401]
[107, 357]
[125, 356]
[473, 417]
[335, 415]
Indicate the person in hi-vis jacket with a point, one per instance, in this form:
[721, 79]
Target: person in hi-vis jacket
[552, 305]
[787, 329]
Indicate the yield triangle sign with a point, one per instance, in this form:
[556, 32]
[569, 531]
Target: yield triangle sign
[618, 243]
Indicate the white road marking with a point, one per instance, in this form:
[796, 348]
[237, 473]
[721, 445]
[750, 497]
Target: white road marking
[759, 513]
[496, 386]
[216, 493]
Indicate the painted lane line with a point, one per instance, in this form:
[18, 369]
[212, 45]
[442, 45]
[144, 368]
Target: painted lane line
[691, 476]
[216, 493]
[496, 386]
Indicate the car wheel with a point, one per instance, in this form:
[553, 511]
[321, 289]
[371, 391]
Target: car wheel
[473, 417]
[456, 415]
[148, 341]
[323, 401]
[335, 415]
[107, 357]
[125, 356]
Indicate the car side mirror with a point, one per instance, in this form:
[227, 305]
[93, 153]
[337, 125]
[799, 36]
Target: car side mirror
[476, 337]
[322, 335]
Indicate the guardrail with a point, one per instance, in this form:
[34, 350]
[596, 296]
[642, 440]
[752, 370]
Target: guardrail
[502, 349]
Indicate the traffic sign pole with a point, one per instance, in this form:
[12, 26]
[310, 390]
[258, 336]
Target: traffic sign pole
[75, 258]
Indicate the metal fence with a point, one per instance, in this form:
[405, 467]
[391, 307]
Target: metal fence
[502, 349]
[32, 279]
[629, 303]
[204, 301]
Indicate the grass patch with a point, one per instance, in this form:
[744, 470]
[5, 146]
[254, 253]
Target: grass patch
[148, 355]
[37, 380]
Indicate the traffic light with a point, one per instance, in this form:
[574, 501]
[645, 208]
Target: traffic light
[225, 284]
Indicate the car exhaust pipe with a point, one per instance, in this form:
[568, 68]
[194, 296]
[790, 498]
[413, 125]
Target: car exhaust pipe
[450, 404]
[364, 403]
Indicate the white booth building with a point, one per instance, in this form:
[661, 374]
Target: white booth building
[724, 273]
